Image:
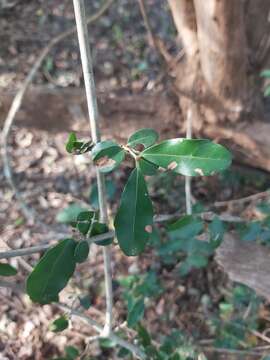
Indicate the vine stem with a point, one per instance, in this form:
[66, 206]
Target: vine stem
[90, 89]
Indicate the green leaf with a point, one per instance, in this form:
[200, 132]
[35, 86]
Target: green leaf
[134, 218]
[266, 92]
[123, 352]
[189, 157]
[143, 335]
[265, 73]
[84, 221]
[71, 352]
[107, 343]
[186, 227]
[69, 214]
[7, 270]
[52, 272]
[76, 147]
[197, 260]
[147, 168]
[107, 155]
[217, 230]
[145, 137]
[136, 313]
[98, 229]
[59, 324]
[81, 251]
[85, 302]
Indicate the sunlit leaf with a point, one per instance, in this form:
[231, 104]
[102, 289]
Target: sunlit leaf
[52, 272]
[59, 324]
[145, 137]
[107, 155]
[134, 219]
[189, 157]
[69, 214]
[266, 92]
[7, 270]
[147, 168]
[265, 73]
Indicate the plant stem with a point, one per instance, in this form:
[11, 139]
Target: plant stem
[135, 350]
[188, 178]
[206, 216]
[83, 37]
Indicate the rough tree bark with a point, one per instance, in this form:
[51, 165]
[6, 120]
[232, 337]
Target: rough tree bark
[226, 46]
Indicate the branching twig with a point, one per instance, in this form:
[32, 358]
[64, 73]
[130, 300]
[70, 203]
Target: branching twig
[207, 216]
[253, 197]
[135, 350]
[151, 37]
[39, 248]
[17, 101]
[90, 89]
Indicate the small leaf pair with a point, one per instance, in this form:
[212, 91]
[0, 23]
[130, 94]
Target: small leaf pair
[54, 270]
[108, 155]
[77, 147]
[88, 225]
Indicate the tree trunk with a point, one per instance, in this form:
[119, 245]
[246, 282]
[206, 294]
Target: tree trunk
[226, 44]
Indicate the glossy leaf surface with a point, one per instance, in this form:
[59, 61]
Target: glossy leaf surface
[107, 155]
[134, 218]
[52, 272]
[145, 137]
[147, 168]
[190, 157]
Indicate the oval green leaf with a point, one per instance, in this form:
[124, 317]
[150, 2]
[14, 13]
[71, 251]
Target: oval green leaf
[98, 229]
[7, 270]
[134, 218]
[81, 251]
[190, 157]
[59, 324]
[145, 137]
[107, 155]
[52, 272]
[136, 313]
[147, 168]
[84, 221]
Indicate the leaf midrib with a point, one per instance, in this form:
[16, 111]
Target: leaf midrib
[136, 197]
[186, 157]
